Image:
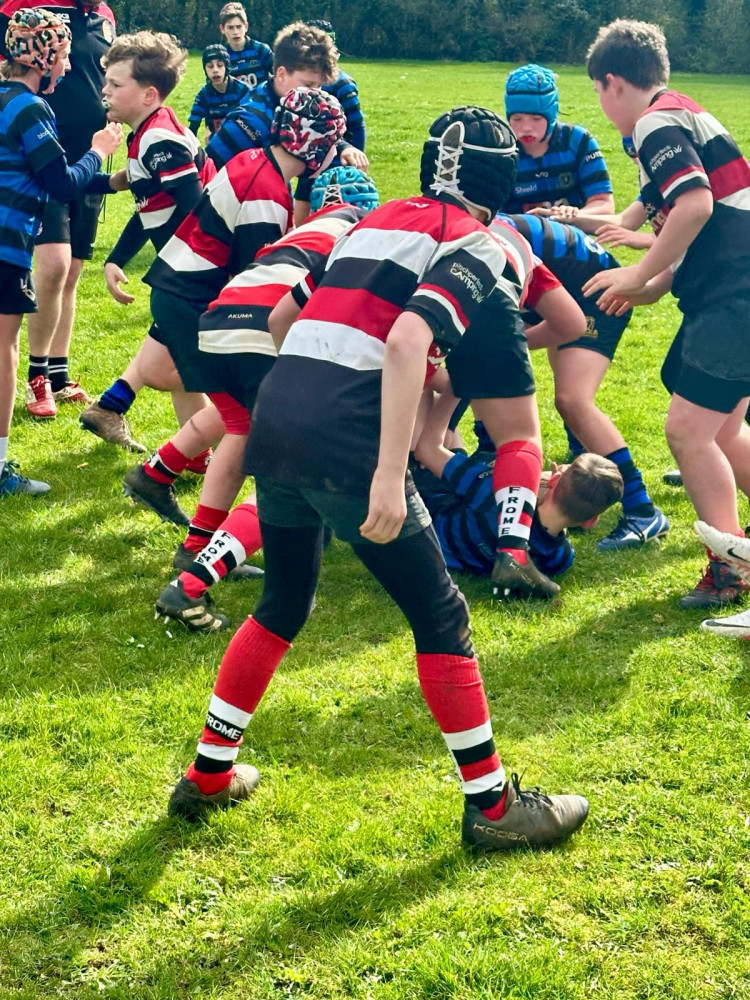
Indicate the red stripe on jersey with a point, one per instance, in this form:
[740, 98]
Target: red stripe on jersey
[400, 215]
[542, 280]
[251, 295]
[156, 203]
[182, 169]
[729, 179]
[204, 245]
[450, 298]
[673, 101]
[692, 169]
[355, 307]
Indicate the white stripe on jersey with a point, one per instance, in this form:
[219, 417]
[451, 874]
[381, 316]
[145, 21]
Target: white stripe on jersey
[248, 340]
[175, 175]
[468, 737]
[151, 220]
[683, 179]
[740, 199]
[430, 293]
[267, 274]
[334, 342]
[261, 210]
[228, 713]
[701, 124]
[409, 250]
[223, 199]
[183, 258]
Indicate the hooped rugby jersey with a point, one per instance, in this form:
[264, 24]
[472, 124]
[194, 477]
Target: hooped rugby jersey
[77, 99]
[248, 127]
[162, 155]
[344, 89]
[28, 142]
[317, 418]
[467, 528]
[570, 254]
[681, 147]
[237, 321]
[570, 172]
[253, 64]
[211, 106]
[244, 207]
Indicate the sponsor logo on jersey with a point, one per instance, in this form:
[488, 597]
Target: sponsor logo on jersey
[664, 154]
[469, 279]
[157, 158]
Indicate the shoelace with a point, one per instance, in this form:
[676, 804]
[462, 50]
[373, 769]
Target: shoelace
[11, 472]
[624, 525]
[533, 797]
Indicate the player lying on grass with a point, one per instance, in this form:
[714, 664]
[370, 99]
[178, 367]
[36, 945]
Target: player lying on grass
[165, 171]
[353, 335]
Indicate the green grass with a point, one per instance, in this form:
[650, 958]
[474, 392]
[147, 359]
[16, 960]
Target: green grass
[344, 877]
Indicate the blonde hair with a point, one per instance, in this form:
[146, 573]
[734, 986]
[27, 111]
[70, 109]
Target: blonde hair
[158, 59]
[588, 487]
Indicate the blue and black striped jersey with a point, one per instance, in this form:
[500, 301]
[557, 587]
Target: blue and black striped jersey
[211, 106]
[570, 172]
[249, 127]
[344, 88]
[28, 142]
[252, 64]
[467, 527]
[572, 255]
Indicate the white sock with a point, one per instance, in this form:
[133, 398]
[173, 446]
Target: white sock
[3, 453]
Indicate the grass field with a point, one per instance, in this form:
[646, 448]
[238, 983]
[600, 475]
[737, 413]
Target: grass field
[345, 877]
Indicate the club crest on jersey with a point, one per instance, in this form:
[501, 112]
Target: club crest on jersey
[418, 204]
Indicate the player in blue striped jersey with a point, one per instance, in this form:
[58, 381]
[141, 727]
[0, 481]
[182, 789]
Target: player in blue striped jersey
[251, 61]
[558, 165]
[220, 94]
[33, 166]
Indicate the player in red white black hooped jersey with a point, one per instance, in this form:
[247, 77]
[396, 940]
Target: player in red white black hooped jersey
[697, 186]
[237, 351]
[409, 276]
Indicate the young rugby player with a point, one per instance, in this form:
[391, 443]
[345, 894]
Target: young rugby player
[367, 342]
[580, 365]
[303, 56]
[164, 175]
[251, 62]
[695, 180]
[34, 167]
[558, 165]
[220, 94]
[246, 206]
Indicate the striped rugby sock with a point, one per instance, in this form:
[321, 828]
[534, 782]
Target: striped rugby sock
[453, 689]
[166, 464]
[515, 481]
[246, 670]
[205, 522]
[237, 538]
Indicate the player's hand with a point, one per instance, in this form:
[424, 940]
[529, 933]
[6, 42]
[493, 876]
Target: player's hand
[543, 213]
[353, 157]
[107, 139]
[618, 282]
[563, 212]
[114, 277]
[618, 236]
[387, 511]
[118, 181]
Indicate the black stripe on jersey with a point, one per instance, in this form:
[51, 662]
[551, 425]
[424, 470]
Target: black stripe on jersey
[248, 240]
[19, 202]
[236, 317]
[210, 222]
[719, 151]
[392, 282]
[14, 239]
[471, 755]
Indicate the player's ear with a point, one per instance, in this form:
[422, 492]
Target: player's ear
[590, 522]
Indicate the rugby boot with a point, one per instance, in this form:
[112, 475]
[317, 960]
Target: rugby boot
[72, 392]
[39, 400]
[189, 802]
[13, 483]
[158, 497]
[719, 585]
[511, 579]
[193, 613]
[531, 819]
[184, 559]
[109, 426]
[632, 532]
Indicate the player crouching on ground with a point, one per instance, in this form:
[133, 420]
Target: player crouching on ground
[353, 335]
